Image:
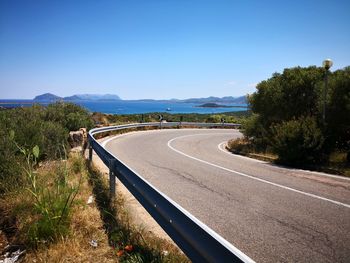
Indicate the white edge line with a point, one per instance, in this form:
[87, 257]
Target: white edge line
[252, 177]
[219, 238]
[289, 169]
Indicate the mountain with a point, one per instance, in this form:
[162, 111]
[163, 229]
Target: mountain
[47, 97]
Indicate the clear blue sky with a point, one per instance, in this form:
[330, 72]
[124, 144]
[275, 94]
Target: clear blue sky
[163, 49]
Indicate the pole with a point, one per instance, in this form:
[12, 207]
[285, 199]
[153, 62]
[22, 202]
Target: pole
[111, 178]
[90, 153]
[324, 96]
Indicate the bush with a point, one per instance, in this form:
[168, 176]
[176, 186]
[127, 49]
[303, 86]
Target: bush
[10, 171]
[70, 116]
[46, 127]
[53, 140]
[255, 131]
[298, 141]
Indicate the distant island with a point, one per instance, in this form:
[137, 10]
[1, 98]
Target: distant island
[227, 99]
[49, 97]
[215, 105]
[209, 102]
[113, 104]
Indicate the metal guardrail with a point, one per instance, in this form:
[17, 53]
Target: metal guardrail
[199, 242]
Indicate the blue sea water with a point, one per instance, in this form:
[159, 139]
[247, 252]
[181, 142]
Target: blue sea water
[133, 107]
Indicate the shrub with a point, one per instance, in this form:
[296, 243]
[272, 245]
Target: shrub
[298, 141]
[46, 127]
[10, 171]
[255, 131]
[71, 116]
[53, 140]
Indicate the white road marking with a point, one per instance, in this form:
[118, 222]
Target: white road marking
[249, 176]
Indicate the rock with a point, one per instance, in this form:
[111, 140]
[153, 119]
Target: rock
[77, 138]
[11, 255]
[90, 200]
[93, 243]
[84, 132]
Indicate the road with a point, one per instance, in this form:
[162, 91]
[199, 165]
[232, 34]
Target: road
[271, 213]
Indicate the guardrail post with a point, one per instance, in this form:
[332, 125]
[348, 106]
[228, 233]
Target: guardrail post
[111, 178]
[160, 121]
[90, 153]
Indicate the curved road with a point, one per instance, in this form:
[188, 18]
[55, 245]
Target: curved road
[270, 213]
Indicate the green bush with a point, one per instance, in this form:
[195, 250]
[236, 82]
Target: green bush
[255, 131]
[53, 140]
[298, 141]
[10, 172]
[70, 116]
[47, 127]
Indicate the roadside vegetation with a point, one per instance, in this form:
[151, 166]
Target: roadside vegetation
[45, 127]
[287, 120]
[52, 207]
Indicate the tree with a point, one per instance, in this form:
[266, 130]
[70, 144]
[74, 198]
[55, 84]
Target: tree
[338, 111]
[289, 105]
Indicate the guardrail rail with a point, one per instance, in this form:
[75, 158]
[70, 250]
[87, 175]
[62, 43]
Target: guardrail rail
[199, 242]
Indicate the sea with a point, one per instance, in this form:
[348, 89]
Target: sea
[134, 107]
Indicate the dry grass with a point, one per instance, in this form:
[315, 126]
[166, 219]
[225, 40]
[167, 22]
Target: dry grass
[122, 233]
[104, 220]
[243, 147]
[86, 225]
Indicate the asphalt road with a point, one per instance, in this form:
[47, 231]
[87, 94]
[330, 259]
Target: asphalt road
[272, 214]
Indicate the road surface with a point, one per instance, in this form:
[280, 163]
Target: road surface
[272, 214]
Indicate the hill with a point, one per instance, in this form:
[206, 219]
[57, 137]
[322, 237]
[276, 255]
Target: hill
[47, 97]
[78, 97]
[228, 99]
[112, 97]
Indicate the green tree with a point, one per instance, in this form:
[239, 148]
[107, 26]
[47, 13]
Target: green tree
[294, 100]
[338, 111]
[289, 95]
